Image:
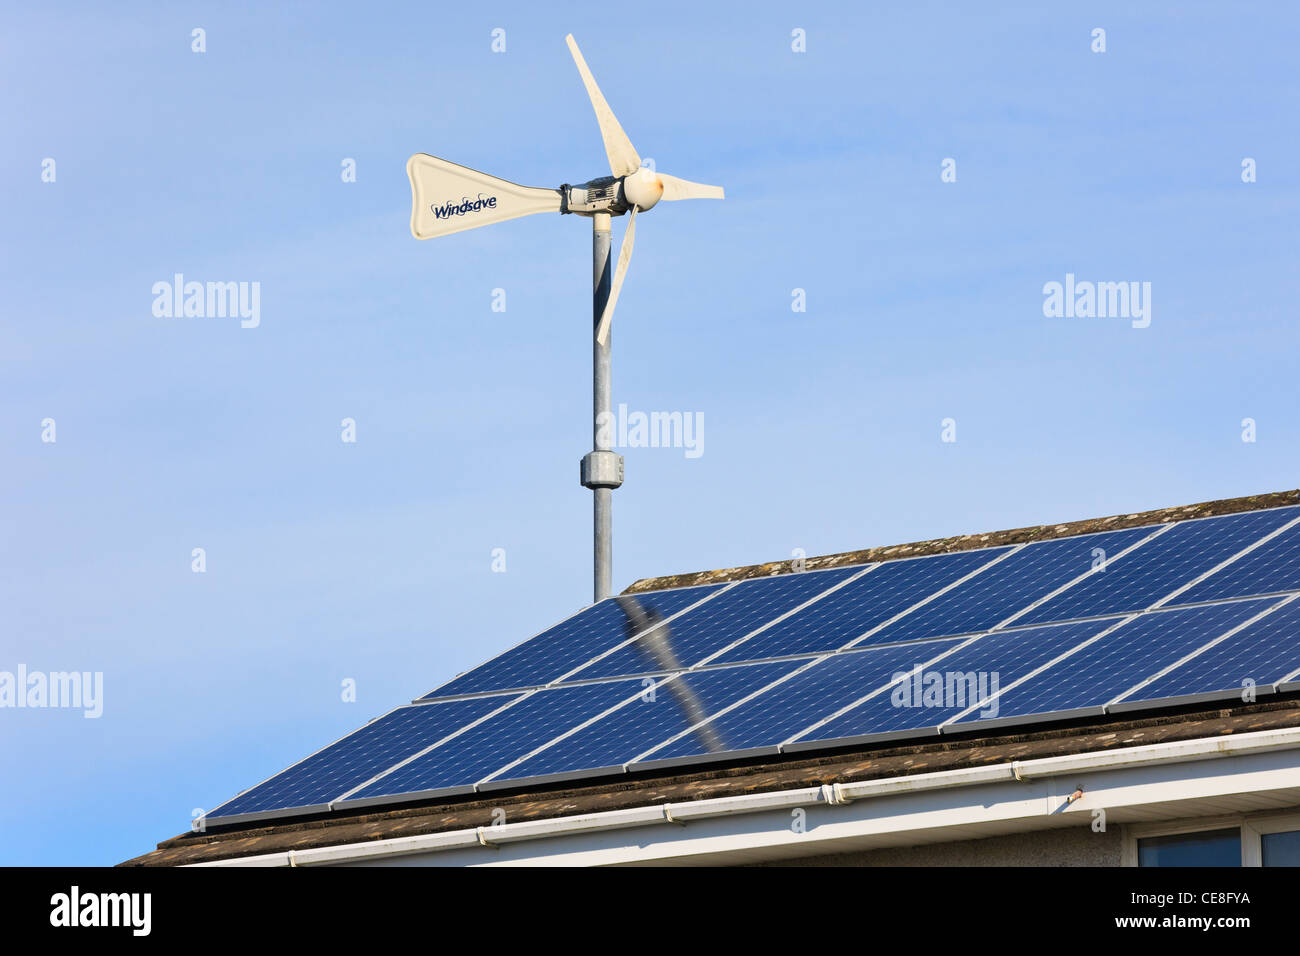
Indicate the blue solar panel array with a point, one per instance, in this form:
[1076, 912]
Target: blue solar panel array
[948, 643]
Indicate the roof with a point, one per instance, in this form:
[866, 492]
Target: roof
[776, 772]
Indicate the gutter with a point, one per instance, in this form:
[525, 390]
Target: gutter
[835, 794]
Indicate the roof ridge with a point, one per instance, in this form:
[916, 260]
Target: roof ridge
[971, 542]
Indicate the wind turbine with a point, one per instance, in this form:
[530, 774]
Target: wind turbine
[447, 198]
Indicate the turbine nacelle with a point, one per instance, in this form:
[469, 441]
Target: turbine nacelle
[602, 194]
[613, 195]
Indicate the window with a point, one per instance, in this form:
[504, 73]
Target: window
[1203, 848]
[1255, 839]
[1280, 849]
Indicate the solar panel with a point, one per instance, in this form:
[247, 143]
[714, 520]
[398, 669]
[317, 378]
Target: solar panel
[1135, 649]
[311, 784]
[566, 646]
[819, 659]
[992, 596]
[820, 688]
[1161, 566]
[722, 620]
[863, 604]
[970, 676]
[1255, 658]
[675, 706]
[513, 733]
[1272, 567]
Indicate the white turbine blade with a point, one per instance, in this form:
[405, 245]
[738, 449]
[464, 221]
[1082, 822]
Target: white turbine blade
[623, 158]
[675, 188]
[447, 198]
[620, 272]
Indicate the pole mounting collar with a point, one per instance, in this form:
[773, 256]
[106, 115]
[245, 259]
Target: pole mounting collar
[601, 469]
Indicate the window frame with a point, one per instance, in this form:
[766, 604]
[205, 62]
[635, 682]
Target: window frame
[1252, 828]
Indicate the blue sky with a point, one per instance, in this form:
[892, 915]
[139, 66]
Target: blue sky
[371, 561]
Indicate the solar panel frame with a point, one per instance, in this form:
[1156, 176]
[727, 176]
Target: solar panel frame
[668, 763]
[1207, 697]
[918, 734]
[1288, 685]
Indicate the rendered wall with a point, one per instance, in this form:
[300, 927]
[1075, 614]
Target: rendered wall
[1072, 846]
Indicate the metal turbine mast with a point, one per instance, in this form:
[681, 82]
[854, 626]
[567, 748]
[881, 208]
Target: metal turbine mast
[601, 468]
[447, 198]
